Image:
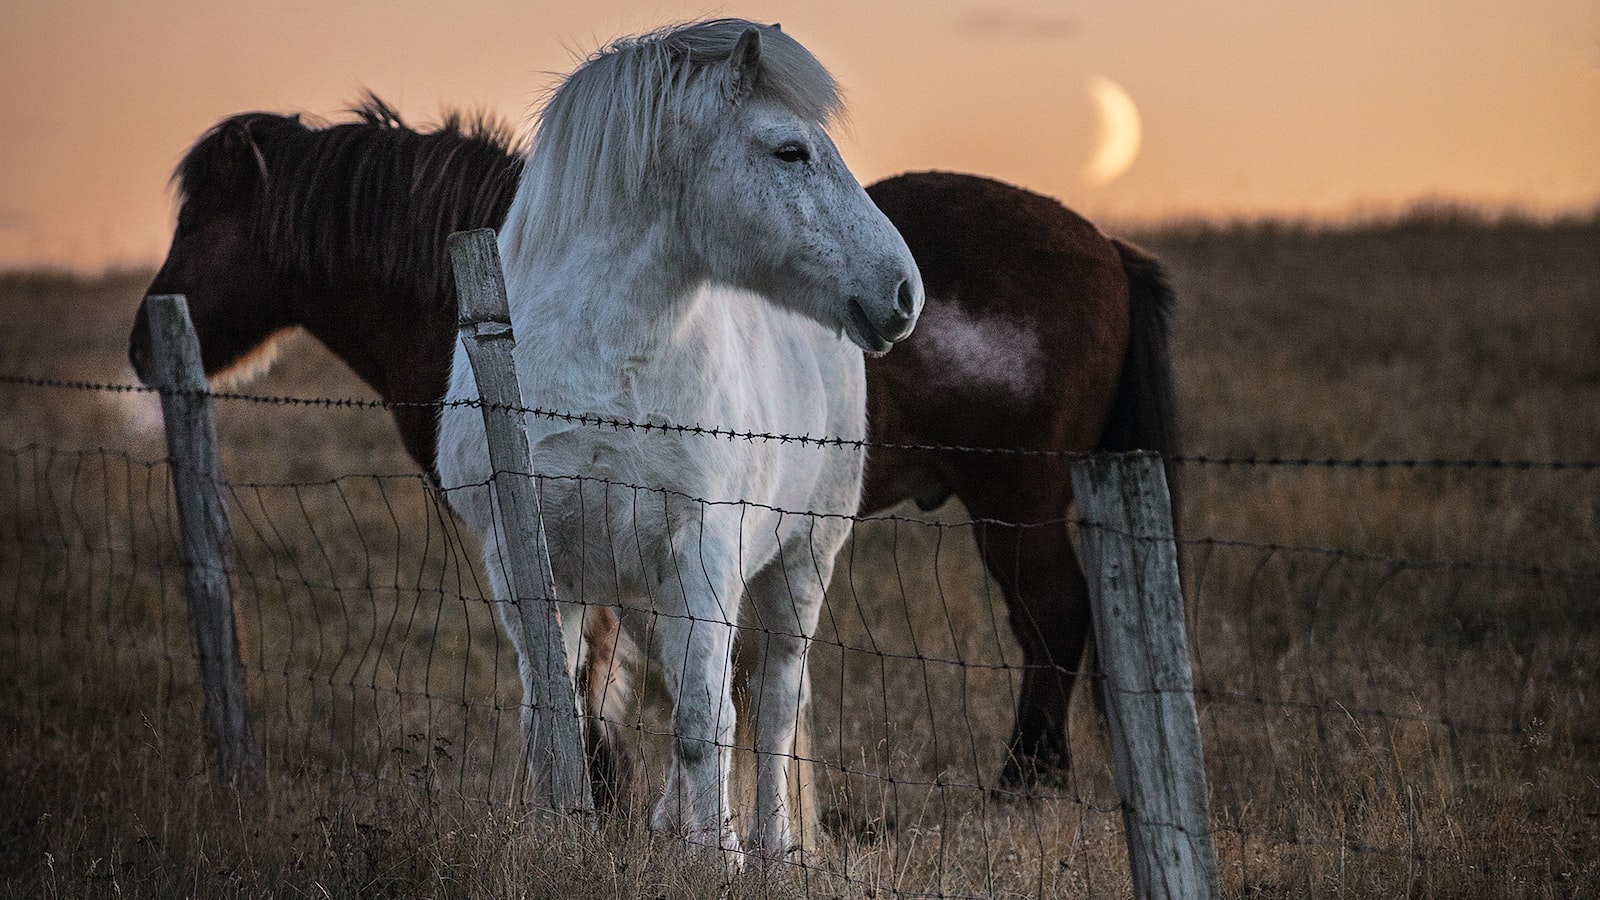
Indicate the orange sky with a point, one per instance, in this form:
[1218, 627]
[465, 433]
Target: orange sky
[1248, 108]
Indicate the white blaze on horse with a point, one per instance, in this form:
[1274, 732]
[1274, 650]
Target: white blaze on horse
[686, 246]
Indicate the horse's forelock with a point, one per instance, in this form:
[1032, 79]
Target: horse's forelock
[789, 74]
[608, 126]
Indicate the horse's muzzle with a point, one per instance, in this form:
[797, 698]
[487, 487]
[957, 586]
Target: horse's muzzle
[865, 332]
[907, 306]
[876, 332]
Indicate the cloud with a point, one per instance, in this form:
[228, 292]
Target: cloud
[1001, 22]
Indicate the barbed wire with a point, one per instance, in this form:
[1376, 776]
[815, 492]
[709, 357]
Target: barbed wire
[1449, 723]
[615, 423]
[1395, 563]
[1409, 463]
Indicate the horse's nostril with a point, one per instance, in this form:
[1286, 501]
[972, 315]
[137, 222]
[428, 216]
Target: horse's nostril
[906, 299]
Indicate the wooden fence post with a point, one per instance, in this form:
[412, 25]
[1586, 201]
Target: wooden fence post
[1130, 555]
[196, 466]
[554, 739]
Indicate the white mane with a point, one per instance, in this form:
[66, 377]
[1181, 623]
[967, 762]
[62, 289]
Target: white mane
[610, 130]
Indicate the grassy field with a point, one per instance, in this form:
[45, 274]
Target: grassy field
[1397, 664]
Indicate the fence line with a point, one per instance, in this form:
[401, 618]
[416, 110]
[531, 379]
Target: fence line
[733, 434]
[240, 492]
[1269, 611]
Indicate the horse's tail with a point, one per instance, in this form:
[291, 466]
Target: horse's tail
[1144, 415]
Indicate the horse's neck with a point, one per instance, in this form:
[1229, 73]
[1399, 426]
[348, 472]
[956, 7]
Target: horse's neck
[399, 346]
[622, 295]
[616, 331]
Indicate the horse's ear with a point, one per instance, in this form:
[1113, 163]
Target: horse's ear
[242, 152]
[744, 65]
[229, 159]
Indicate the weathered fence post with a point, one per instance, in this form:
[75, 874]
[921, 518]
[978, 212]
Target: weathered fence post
[553, 740]
[203, 523]
[1130, 554]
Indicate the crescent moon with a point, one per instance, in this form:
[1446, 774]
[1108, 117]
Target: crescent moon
[1119, 134]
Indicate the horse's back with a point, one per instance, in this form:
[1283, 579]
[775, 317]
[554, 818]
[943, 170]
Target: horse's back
[1020, 345]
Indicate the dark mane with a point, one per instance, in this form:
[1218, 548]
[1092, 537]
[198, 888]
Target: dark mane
[373, 193]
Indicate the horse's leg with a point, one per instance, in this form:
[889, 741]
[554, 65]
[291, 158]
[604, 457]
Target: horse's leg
[693, 644]
[1048, 602]
[786, 601]
[603, 685]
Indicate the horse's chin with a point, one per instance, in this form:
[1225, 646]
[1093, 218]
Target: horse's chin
[873, 345]
[863, 333]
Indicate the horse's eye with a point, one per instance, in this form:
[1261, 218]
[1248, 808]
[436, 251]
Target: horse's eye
[793, 153]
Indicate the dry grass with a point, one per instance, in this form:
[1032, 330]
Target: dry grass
[1376, 724]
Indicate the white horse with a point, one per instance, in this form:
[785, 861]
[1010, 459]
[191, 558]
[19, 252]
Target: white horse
[687, 247]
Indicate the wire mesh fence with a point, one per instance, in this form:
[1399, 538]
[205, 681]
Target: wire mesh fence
[1394, 665]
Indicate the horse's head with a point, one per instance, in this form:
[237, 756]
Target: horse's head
[782, 215]
[718, 130]
[215, 259]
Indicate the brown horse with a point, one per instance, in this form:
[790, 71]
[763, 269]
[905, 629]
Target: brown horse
[1039, 334]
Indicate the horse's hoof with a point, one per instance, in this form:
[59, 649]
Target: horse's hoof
[1029, 776]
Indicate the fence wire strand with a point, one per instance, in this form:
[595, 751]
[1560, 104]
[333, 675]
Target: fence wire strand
[616, 423]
